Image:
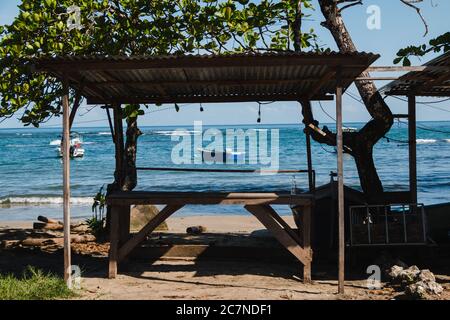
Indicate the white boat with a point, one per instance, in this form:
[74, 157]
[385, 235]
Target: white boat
[224, 156]
[76, 146]
[349, 129]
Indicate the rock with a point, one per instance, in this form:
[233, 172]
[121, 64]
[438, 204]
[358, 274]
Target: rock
[421, 289]
[426, 276]
[196, 230]
[142, 214]
[395, 272]
[408, 276]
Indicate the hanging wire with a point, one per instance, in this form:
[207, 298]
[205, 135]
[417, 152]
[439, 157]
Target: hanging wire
[426, 104]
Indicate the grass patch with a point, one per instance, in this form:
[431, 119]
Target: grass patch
[33, 285]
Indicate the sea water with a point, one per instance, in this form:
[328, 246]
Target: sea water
[31, 171]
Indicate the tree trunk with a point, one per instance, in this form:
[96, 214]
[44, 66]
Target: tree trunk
[133, 133]
[125, 177]
[361, 143]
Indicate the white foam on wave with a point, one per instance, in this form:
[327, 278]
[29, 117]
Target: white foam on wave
[55, 142]
[424, 141]
[178, 132]
[104, 133]
[44, 200]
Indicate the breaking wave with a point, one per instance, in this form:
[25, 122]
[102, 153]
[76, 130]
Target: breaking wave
[36, 200]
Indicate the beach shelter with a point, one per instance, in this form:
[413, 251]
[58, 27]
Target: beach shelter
[247, 77]
[430, 80]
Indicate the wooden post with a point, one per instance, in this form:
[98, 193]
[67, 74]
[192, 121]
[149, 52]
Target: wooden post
[124, 216]
[412, 148]
[306, 224]
[114, 242]
[309, 159]
[340, 177]
[66, 183]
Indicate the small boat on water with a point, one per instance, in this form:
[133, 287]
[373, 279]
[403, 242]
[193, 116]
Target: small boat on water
[226, 155]
[76, 146]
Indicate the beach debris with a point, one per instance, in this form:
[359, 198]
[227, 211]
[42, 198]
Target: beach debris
[417, 284]
[196, 230]
[48, 220]
[41, 242]
[47, 226]
[8, 244]
[142, 214]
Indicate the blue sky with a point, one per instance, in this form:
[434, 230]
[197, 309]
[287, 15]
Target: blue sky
[400, 26]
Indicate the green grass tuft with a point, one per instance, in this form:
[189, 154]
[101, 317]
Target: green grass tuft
[33, 285]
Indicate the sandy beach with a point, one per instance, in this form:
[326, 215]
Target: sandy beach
[191, 278]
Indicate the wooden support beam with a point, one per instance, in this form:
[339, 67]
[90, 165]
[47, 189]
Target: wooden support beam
[203, 99]
[66, 184]
[264, 216]
[306, 230]
[75, 107]
[412, 148]
[284, 224]
[204, 198]
[340, 178]
[146, 230]
[124, 223]
[114, 242]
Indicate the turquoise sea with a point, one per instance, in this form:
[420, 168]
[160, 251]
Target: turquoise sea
[31, 176]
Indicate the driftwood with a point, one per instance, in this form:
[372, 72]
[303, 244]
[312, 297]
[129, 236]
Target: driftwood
[47, 226]
[33, 242]
[48, 220]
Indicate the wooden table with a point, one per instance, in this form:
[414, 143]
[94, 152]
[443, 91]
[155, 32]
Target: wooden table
[257, 203]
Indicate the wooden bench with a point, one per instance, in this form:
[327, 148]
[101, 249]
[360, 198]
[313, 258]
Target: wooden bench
[257, 203]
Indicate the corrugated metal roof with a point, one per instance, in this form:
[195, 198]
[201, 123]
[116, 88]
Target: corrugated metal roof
[207, 78]
[433, 81]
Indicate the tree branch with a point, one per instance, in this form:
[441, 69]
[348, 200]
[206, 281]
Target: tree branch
[410, 3]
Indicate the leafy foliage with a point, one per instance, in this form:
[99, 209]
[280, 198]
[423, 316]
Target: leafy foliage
[131, 27]
[97, 222]
[438, 44]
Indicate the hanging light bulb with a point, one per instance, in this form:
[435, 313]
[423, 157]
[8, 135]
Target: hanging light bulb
[201, 108]
[259, 113]
[177, 107]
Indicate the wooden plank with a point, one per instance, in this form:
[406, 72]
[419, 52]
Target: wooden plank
[340, 177]
[261, 213]
[114, 242]
[203, 99]
[306, 228]
[184, 198]
[406, 69]
[284, 224]
[75, 107]
[147, 229]
[66, 184]
[218, 170]
[412, 148]
[124, 224]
